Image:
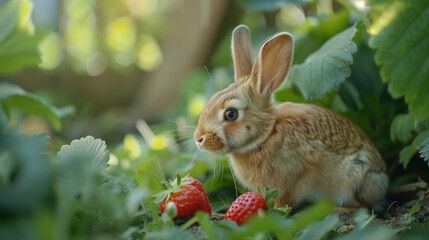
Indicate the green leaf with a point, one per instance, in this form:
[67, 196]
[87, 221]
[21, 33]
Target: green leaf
[170, 233]
[316, 212]
[41, 139]
[402, 128]
[149, 174]
[207, 224]
[408, 152]
[371, 232]
[400, 32]
[13, 96]
[269, 196]
[266, 5]
[27, 174]
[319, 229]
[94, 149]
[328, 67]
[415, 209]
[18, 46]
[424, 152]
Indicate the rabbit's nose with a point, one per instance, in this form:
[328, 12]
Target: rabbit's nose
[200, 140]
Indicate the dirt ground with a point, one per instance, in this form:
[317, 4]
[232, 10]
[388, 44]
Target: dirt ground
[408, 203]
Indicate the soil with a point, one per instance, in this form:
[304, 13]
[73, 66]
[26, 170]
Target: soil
[409, 203]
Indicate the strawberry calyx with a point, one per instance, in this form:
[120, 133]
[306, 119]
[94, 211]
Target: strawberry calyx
[172, 186]
[269, 195]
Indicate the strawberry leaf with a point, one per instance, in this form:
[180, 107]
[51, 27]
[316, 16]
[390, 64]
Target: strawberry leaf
[328, 67]
[424, 152]
[149, 175]
[94, 149]
[408, 152]
[207, 224]
[18, 45]
[319, 229]
[400, 32]
[14, 96]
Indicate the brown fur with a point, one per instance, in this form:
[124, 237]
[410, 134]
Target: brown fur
[305, 151]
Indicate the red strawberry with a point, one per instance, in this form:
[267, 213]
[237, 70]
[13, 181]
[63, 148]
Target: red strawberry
[188, 196]
[245, 206]
[206, 204]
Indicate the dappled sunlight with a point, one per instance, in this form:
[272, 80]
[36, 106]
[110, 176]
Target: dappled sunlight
[101, 105]
[25, 22]
[132, 145]
[81, 38]
[149, 55]
[360, 4]
[79, 8]
[387, 16]
[96, 64]
[196, 105]
[121, 35]
[51, 51]
[291, 15]
[142, 7]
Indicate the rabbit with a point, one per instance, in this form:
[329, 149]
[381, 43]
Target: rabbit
[305, 151]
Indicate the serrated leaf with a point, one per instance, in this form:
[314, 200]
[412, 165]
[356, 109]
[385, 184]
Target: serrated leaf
[149, 174]
[319, 229]
[266, 5]
[40, 139]
[328, 67]
[400, 32]
[408, 152]
[424, 152]
[402, 128]
[14, 96]
[18, 46]
[95, 149]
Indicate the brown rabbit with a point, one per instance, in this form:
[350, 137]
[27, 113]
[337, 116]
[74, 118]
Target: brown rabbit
[305, 151]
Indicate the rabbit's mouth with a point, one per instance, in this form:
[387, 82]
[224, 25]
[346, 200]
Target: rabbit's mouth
[211, 142]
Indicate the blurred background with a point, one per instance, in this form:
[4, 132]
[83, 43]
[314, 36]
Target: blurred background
[119, 61]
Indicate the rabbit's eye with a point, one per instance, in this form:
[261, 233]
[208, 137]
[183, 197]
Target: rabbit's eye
[231, 115]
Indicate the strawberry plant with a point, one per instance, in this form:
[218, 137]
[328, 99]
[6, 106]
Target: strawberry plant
[77, 77]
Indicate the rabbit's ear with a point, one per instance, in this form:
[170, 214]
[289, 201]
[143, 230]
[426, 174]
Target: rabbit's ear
[273, 62]
[242, 53]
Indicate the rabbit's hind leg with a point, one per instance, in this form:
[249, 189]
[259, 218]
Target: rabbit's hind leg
[373, 190]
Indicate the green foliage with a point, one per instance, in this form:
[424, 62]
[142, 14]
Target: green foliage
[18, 46]
[408, 152]
[328, 67]
[266, 5]
[23, 167]
[424, 152]
[400, 30]
[13, 96]
[88, 192]
[93, 149]
[319, 229]
[402, 128]
[149, 175]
